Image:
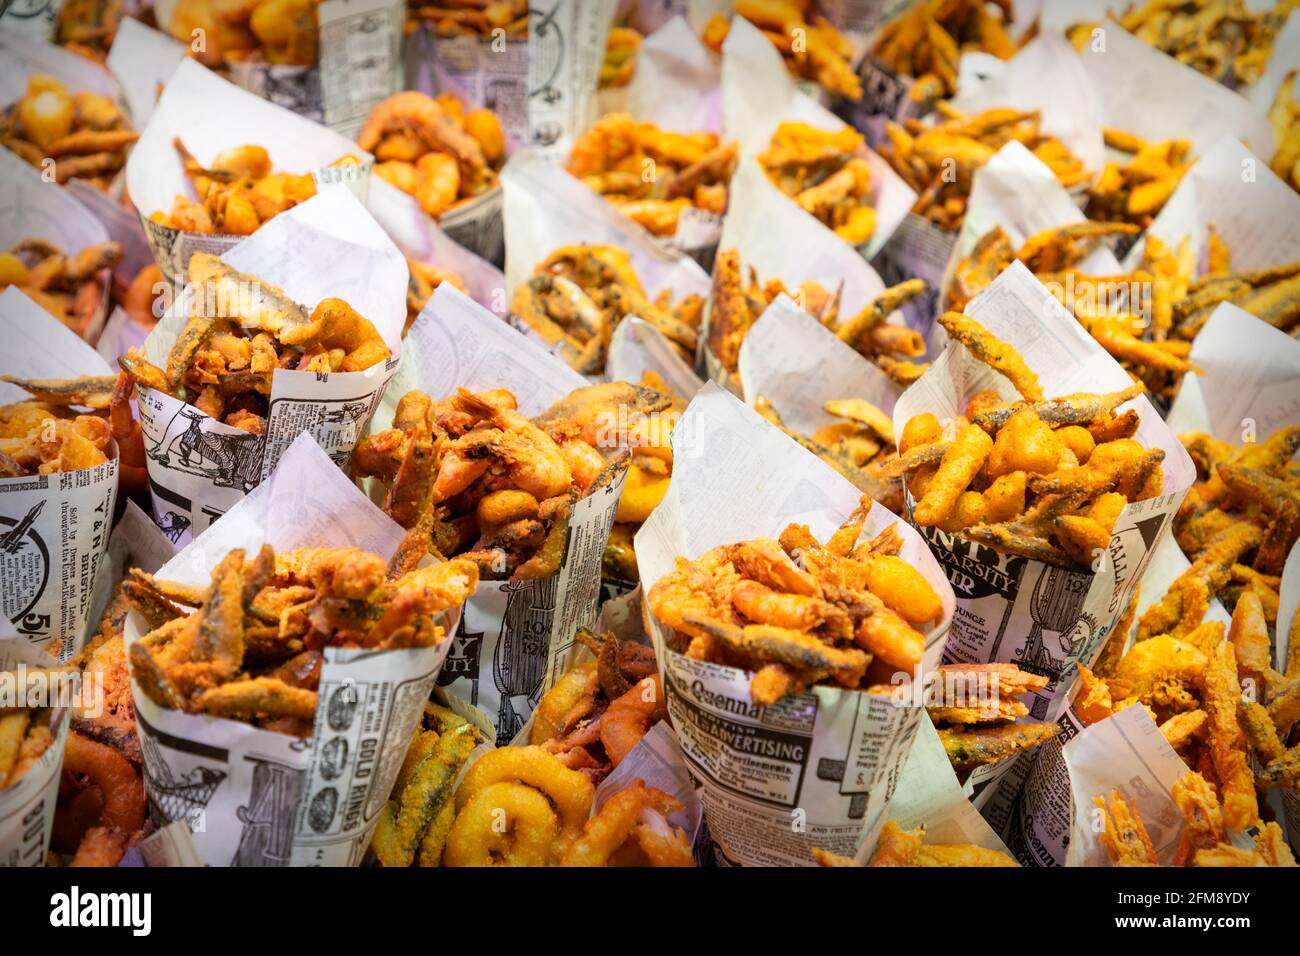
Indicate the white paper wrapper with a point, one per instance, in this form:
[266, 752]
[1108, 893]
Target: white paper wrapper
[928, 795]
[1011, 608]
[797, 250]
[27, 807]
[192, 97]
[1149, 93]
[419, 238]
[816, 768]
[252, 797]
[53, 528]
[514, 636]
[547, 208]
[360, 58]
[677, 86]
[1256, 214]
[32, 207]
[678, 81]
[120, 333]
[142, 60]
[1046, 75]
[758, 94]
[797, 364]
[636, 347]
[325, 247]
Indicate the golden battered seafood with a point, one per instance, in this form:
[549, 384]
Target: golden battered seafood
[577, 296]
[470, 476]
[278, 32]
[237, 192]
[1044, 479]
[1284, 117]
[475, 18]
[821, 621]
[812, 48]
[84, 134]
[620, 57]
[898, 847]
[71, 287]
[25, 734]
[88, 27]
[599, 710]
[1137, 190]
[739, 299]
[653, 175]
[240, 330]
[632, 829]
[1205, 839]
[434, 149]
[413, 827]
[826, 174]
[252, 647]
[423, 283]
[927, 39]
[939, 160]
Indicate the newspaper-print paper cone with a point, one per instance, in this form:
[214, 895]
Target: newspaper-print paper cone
[1288, 608]
[32, 208]
[547, 208]
[798, 365]
[797, 250]
[191, 99]
[53, 528]
[758, 94]
[566, 47]
[827, 759]
[484, 72]
[141, 60]
[252, 797]
[514, 635]
[27, 807]
[326, 246]
[677, 86]
[1256, 214]
[419, 238]
[1145, 91]
[929, 795]
[1011, 608]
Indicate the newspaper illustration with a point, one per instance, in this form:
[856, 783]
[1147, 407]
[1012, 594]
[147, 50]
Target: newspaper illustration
[325, 247]
[566, 46]
[155, 175]
[801, 249]
[32, 19]
[360, 58]
[1011, 608]
[513, 635]
[487, 72]
[1256, 214]
[27, 806]
[53, 528]
[1141, 88]
[33, 207]
[758, 94]
[547, 208]
[929, 795]
[252, 797]
[816, 768]
[142, 59]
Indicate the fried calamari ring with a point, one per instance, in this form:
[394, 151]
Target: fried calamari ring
[503, 824]
[570, 791]
[618, 821]
[121, 786]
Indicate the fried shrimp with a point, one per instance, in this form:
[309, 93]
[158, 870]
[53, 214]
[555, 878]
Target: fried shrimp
[625, 720]
[622, 819]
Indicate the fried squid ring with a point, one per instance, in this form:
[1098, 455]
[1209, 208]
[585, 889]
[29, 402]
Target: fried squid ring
[122, 788]
[569, 791]
[503, 824]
